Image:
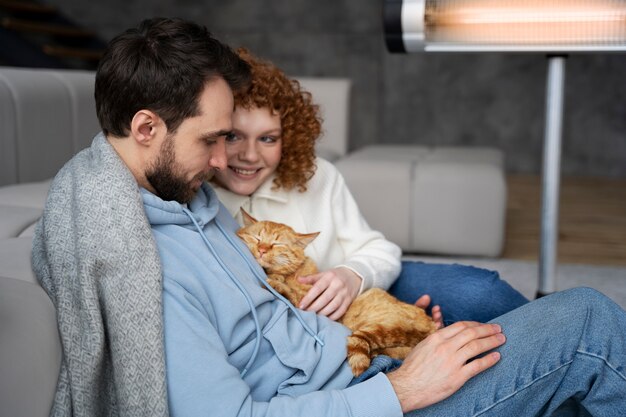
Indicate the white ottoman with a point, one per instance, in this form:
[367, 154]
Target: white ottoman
[440, 200]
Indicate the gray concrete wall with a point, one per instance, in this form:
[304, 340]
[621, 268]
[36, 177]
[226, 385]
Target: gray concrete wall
[434, 99]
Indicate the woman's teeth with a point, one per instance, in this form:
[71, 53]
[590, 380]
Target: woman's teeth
[244, 171]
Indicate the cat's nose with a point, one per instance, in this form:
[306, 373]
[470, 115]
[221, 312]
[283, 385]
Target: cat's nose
[263, 249]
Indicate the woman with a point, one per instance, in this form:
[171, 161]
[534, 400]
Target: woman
[274, 175]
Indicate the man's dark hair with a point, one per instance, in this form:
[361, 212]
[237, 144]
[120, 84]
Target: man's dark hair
[162, 65]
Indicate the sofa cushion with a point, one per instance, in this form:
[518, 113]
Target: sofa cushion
[30, 351]
[21, 206]
[31, 194]
[15, 259]
[44, 112]
[15, 220]
[333, 97]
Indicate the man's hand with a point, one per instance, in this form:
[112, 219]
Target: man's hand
[332, 293]
[438, 366]
[423, 302]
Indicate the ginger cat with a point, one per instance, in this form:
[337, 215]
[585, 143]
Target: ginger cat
[380, 323]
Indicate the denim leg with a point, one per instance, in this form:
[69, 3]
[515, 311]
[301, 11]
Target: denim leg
[566, 348]
[463, 292]
[380, 363]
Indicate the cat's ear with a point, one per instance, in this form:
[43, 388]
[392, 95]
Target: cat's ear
[305, 239]
[247, 219]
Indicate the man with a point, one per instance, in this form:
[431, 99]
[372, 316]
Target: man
[163, 91]
[162, 309]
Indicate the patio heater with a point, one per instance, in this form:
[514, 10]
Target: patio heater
[554, 27]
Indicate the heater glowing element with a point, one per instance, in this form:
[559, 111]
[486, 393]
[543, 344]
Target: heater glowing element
[506, 25]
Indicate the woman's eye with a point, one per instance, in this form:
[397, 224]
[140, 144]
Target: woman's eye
[231, 137]
[268, 139]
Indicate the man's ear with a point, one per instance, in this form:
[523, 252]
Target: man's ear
[145, 126]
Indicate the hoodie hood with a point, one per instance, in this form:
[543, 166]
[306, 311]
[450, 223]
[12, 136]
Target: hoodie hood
[204, 207]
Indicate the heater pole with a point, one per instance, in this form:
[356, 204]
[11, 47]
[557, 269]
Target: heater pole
[551, 175]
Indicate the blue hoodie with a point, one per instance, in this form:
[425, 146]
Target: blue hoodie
[233, 347]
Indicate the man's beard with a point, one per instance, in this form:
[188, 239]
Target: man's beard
[167, 179]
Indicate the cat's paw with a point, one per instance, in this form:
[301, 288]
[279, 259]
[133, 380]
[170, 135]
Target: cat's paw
[359, 363]
[358, 355]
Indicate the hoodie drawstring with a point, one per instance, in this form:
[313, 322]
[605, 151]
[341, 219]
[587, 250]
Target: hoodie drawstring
[257, 342]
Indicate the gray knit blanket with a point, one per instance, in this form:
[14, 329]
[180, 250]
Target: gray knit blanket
[94, 254]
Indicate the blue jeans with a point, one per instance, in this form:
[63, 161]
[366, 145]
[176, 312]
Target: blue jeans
[565, 355]
[463, 292]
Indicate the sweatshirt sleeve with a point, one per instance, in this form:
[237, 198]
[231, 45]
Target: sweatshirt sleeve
[375, 259]
[201, 381]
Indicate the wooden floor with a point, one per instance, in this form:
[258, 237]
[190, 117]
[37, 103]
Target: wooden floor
[592, 220]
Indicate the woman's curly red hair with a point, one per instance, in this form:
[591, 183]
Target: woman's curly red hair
[300, 120]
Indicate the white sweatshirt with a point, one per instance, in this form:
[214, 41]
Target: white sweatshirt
[327, 207]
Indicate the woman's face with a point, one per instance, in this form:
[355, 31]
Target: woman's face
[253, 152]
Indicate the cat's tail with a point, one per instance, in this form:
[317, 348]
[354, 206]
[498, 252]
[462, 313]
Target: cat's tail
[358, 352]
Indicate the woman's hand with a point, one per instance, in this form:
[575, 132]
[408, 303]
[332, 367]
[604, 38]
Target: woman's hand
[332, 293]
[440, 364]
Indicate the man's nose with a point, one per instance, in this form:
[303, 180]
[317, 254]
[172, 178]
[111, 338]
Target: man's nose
[218, 159]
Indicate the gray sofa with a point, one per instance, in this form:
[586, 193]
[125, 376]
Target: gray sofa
[434, 198]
